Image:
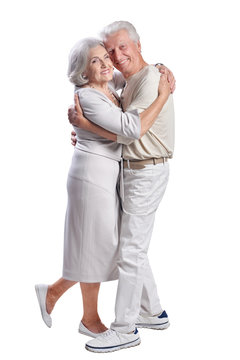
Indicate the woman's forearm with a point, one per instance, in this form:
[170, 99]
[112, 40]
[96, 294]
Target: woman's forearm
[149, 115]
[147, 118]
[89, 126]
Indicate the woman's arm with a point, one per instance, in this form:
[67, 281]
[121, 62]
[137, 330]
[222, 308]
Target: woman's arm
[147, 117]
[76, 118]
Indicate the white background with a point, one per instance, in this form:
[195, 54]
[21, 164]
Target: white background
[194, 250]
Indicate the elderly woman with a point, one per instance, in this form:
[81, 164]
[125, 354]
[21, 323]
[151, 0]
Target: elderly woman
[92, 216]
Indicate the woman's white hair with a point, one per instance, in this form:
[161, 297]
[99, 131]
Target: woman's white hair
[78, 60]
[120, 25]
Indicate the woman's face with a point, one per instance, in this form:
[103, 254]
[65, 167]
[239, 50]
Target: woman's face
[99, 67]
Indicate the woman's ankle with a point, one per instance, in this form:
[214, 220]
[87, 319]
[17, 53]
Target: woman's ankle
[51, 300]
[94, 324]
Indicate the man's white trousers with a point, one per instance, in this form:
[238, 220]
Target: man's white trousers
[137, 292]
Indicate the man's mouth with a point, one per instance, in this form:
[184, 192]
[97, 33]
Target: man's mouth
[121, 62]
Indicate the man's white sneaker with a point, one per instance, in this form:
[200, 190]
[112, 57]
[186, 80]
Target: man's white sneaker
[158, 322]
[83, 330]
[112, 340]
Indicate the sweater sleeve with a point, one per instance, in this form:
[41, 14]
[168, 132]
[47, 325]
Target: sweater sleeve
[102, 112]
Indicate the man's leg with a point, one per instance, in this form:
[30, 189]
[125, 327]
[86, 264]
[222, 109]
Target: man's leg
[151, 315]
[143, 190]
[150, 303]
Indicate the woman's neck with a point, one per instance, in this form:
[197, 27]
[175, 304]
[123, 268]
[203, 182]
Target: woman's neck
[99, 86]
[103, 87]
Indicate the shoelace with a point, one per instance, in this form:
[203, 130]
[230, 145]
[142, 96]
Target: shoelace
[107, 333]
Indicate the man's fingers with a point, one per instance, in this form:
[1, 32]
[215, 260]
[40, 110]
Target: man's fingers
[71, 108]
[77, 104]
[71, 112]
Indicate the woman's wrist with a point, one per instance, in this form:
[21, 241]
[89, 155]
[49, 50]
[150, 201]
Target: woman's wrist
[164, 96]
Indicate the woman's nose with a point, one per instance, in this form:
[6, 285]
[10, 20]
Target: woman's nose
[103, 64]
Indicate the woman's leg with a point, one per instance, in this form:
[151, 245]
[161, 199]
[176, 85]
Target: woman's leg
[55, 291]
[90, 317]
[90, 292]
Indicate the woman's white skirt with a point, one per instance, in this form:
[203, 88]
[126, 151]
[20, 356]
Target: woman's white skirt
[92, 219]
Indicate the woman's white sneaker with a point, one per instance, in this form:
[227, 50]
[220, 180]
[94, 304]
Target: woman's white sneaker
[41, 291]
[112, 340]
[83, 330]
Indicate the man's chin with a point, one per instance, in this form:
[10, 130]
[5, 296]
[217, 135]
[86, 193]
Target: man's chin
[122, 68]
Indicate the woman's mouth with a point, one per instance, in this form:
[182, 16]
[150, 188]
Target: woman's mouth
[105, 72]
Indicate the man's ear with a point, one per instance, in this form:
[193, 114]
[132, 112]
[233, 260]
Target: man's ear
[139, 47]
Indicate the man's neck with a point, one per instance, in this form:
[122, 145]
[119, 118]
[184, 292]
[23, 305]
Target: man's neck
[138, 68]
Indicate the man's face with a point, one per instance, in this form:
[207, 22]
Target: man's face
[124, 52]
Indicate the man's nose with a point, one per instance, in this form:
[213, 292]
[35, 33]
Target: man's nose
[117, 54]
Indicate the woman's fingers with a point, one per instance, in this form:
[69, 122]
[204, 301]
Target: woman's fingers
[171, 80]
[162, 69]
[164, 86]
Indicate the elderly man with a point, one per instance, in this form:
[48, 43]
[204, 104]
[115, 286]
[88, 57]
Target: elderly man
[145, 174]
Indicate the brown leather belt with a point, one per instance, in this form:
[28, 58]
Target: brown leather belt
[140, 164]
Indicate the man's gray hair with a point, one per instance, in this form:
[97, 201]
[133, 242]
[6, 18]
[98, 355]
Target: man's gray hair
[120, 25]
[78, 60]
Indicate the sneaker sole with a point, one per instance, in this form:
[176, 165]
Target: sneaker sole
[113, 348]
[154, 326]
